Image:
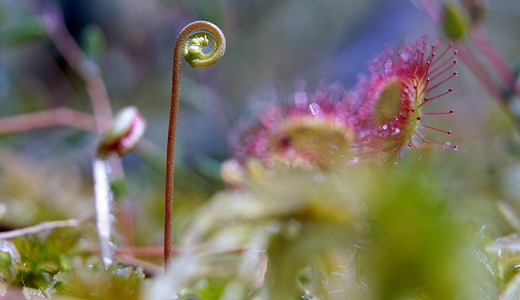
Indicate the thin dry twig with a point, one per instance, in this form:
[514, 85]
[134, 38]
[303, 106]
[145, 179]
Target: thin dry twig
[59, 116]
[481, 39]
[41, 227]
[151, 252]
[148, 268]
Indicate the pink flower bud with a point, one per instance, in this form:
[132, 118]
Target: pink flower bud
[123, 133]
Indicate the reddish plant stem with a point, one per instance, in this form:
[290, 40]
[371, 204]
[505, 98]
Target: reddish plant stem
[434, 12]
[431, 9]
[491, 86]
[489, 53]
[170, 148]
[478, 69]
[49, 118]
[148, 268]
[218, 49]
[126, 219]
[75, 58]
[479, 36]
[153, 252]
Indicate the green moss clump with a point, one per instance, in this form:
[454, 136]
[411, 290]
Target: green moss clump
[42, 258]
[91, 280]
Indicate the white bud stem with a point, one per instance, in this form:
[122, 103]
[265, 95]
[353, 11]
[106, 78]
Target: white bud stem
[104, 199]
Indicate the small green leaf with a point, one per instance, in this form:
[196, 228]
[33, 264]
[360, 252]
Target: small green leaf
[119, 187]
[24, 32]
[42, 258]
[456, 21]
[210, 289]
[93, 42]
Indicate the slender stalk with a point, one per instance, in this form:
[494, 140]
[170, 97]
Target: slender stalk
[478, 70]
[431, 9]
[48, 118]
[76, 58]
[40, 227]
[190, 47]
[104, 199]
[479, 36]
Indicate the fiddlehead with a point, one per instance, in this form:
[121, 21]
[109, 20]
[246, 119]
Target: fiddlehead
[189, 45]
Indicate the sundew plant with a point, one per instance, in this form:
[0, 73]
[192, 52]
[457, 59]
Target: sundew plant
[330, 150]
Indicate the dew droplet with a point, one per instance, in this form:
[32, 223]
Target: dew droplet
[448, 132]
[419, 157]
[456, 148]
[315, 108]
[409, 145]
